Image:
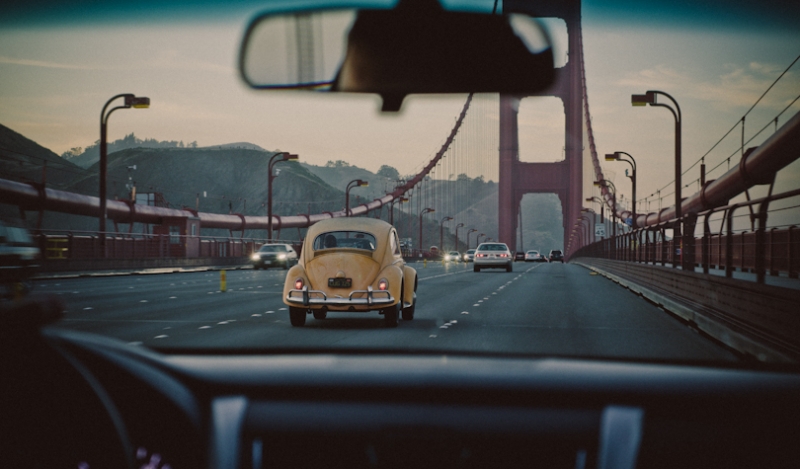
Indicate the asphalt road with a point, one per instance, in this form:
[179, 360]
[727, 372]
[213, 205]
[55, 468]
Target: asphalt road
[542, 309]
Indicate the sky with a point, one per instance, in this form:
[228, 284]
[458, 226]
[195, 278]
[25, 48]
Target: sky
[56, 77]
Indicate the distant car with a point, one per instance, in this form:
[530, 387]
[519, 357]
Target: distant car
[469, 256]
[274, 255]
[493, 256]
[519, 256]
[351, 265]
[534, 256]
[452, 256]
[19, 256]
[556, 256]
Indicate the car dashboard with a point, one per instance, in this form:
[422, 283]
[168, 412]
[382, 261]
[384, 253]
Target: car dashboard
[304, 410]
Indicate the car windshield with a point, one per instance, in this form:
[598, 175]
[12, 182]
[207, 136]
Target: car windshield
[492, 247]
[345, 239]
[200, 169]
[273, 248]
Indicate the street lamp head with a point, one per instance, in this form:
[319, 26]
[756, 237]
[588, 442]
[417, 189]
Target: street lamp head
[290, 157]
[612, 156]
[599, 183]
[446, 219]
[403, 199]
[459, 225]
[137, 102]
[643, 99]
[363, 183]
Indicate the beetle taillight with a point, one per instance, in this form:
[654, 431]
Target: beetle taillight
[298, 284]
[383, 284]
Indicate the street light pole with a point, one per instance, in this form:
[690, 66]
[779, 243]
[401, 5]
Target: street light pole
[285, 156]
[650, 98]
[478, 239]
[457, 227]
[471, 230]
[610, 185]
[350, 185]
[617, 156]
[131, 101]
[423, 212]
[441, 232]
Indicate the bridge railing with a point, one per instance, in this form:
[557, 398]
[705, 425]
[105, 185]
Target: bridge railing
[57, 245]
[714, 242]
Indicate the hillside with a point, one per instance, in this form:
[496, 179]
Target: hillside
[339, 176]
[22, 159]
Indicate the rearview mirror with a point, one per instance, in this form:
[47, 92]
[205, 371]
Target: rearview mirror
[417, 47]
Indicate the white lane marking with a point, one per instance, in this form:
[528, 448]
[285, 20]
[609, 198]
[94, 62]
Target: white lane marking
[173, 297]
[281, 309]
[135, 343]
[432, 336]
[168, 327]
[442, 275]
[143, 301]
[259, 286]
[211, 293]
[480, 301]
[255, 315]
[445, 326]
[494, 293]
[476, 304]
[87, 308]
[269, 312]
[162, 336]
[464, 312]
[223, 322]
[204, 327]
[454, 321]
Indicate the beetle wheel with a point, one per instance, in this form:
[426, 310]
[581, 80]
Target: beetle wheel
[390, 315]
[297, 316]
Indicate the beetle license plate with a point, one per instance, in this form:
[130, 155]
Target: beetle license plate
[340, 282]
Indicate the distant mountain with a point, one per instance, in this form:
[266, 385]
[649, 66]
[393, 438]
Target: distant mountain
[85, 157]
[22, 159]
[338, 176]
[237, 146]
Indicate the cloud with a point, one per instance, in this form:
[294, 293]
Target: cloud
[41, 63]
[740, 86]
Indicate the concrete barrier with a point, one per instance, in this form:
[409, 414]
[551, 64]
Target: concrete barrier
[758, 320]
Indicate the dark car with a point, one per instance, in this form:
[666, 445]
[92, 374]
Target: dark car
[19, 256]
[519, 256]
[274, 255]
[556, 256]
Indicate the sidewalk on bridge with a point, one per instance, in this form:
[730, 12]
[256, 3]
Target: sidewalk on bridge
[151, 271]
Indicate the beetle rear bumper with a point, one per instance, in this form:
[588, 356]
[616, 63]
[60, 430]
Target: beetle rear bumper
[368, 297]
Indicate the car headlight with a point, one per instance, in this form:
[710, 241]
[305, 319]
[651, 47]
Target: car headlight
[255, 257]
[281, 256]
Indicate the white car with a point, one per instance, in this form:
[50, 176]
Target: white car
[493, 256]
[452, 256]
[274, 255]
[534, 256]
[469, 256]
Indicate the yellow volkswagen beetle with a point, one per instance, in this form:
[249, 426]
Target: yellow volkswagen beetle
[351, 265]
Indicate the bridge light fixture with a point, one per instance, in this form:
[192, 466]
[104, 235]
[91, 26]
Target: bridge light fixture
[350, 185]
[643, 99]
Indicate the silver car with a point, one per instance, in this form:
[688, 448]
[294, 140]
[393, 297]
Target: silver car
[493, 256]
[469, 256]
[274, 255]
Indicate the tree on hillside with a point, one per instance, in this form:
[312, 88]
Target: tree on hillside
[389, 172]
[337, 164]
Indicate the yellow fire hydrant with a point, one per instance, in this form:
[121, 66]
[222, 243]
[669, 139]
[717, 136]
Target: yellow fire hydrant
[223, 281]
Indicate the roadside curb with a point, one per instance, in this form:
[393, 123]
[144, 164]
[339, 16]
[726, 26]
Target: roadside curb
[122, 273]
[703, 323]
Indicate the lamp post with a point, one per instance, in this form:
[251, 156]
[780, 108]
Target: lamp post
[471, 230]
[350, 185]
[284, 156]
[391, 210]
[131, 101]
[423, 212]
[651, 98]
[589, 216]
[610, 185]
[478, 239]
[617, 156]
[441, 232]
[457, 227]
[602, 212]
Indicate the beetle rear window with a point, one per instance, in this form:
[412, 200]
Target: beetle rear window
[345, 239]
